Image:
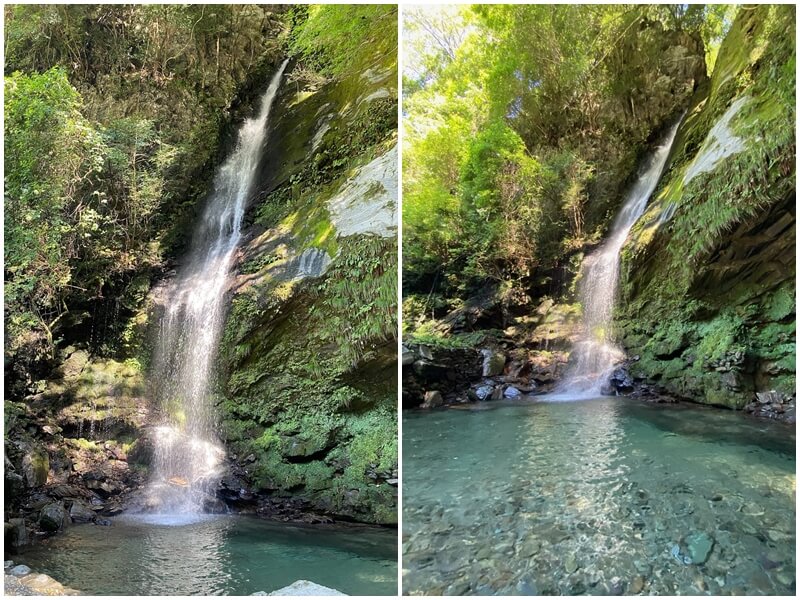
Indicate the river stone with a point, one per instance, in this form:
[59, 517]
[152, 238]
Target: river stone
[484, 392]
[302, 587]
[53, 516]
[570, 565]
[770, 397]
[699, 546]
[512, 392]
[44, 584]
[20, 570]
[637, 585]
[530, 548]
[616, 587]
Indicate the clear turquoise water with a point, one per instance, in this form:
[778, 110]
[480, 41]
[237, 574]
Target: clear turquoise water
[594, 497]
[217, 555]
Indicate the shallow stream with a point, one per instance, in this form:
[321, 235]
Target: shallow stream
[602, 496]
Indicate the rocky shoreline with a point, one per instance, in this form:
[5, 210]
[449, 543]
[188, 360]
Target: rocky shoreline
[21, 580]
[435, 377]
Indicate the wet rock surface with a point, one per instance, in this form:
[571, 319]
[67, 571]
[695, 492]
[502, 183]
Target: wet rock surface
[20, 580]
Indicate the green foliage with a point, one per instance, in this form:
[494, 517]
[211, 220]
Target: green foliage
[518, 146]
[46, 145]
[112, 117]
[332, 36]
[359, 296]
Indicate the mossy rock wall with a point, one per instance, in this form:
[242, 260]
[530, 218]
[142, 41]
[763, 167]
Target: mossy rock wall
[308, 356]
[708, 276]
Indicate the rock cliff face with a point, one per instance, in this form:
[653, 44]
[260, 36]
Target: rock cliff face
[708, 290]
[308, 358]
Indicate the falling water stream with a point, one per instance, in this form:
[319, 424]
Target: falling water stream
[188, 454]
[595, 355]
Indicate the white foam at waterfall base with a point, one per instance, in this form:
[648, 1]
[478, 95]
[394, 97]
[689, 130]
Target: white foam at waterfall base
[187, 453]
[595, 356]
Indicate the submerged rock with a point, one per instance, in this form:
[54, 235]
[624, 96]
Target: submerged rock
[698, 547]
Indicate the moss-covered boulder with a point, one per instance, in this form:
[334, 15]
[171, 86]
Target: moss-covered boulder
[708, 277]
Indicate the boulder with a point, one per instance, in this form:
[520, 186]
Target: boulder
[72, 367]
[770, 397]
[621, 380]
[430, 371]
[512, 392]
[493, 362]
[408, 357]
[214, 505]
[53, 517]
[484, 392]
[19, 532]
[79, 512]
[14, 485]
[102, 485]
[35, 467]
[433, 399]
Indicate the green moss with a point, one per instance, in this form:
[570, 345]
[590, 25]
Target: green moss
[307, 366]
[781, 304]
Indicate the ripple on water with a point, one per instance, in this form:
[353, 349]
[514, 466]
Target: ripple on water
[216, 554]
[592, 497]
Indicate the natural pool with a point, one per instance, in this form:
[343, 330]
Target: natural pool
[215, 555]
[603, 496]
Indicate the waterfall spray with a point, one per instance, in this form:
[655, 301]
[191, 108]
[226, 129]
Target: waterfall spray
[188, 455]
[595, 355]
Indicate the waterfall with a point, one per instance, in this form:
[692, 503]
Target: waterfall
[595, 355]
[187, 454]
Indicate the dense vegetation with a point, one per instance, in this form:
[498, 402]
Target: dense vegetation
[518, 144]
[116, 118]
[519, 151]
[125, 104]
